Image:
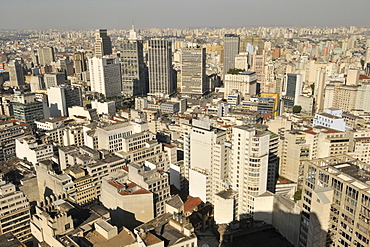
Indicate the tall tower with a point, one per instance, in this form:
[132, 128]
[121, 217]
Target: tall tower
[15, 74]
[161, 78]
[293, 88]
[105, 76]
[249, 166]
[103, 44]
[193, 71]
[231, 49]
[133, 68]
[46, 55]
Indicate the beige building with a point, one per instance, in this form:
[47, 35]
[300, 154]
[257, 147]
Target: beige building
[154, 180]
[119, 192]
[14, 213]
[335, 202]
[244, 82]
[169, 230]
[310, 143]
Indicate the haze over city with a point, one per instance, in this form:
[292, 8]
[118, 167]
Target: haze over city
[83, 14]
[184, 123]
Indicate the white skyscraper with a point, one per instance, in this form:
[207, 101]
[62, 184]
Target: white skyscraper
[105, 76]
[205, 160]
[249, 166]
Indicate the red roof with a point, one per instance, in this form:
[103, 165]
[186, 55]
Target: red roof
[167, 145]
[192, 203]
[116, 184]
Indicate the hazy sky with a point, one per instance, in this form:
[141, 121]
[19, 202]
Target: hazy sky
[78, 14]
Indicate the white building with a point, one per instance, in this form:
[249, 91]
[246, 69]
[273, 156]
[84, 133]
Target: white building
[249, 167]
[104, 107]
[105, 76]
[331, 119]
[114, 137]
[205, 159]
[61, 98]
[33, 150]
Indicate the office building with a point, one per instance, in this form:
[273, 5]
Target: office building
[231, 49]
[15, 74]
[14, 213]
[193, 71]
[243, 82]
[53, 79]
[335, 202]
[161, 75]
[28, 110]
[61, 98]
[134, 70]
[46, 55]
[103, 43]
[79, 63]
[292, 89]
[9, 131]
[105, 76]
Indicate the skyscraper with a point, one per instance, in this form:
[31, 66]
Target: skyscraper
[249, 166]
[231, 49]
[46, 55]
[15, 74]
[134, 71]
[193, 71]
[79, 63]
[293, 88]
[161, 78]
[105, 76]
[103, 44]
[61, 98]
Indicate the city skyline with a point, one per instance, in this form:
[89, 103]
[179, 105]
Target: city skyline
[115, 14]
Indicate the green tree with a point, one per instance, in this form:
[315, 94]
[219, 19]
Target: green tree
[297, 109]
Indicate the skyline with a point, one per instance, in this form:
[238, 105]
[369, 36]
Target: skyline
[115, 14]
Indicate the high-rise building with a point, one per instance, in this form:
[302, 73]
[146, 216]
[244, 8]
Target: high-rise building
[46, 55]
[105, 76]
[193, 71]
[248, 166]
[205, 160]
[134, 71]
[161, 75]
[335, 202]
[231, 49]
[61, 98]
[103, 43]
[79, 62]
[293, 89]
[15, 74]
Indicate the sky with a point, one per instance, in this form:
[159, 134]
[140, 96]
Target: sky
[120, 14]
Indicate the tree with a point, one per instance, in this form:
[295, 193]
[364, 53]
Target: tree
[297, 109]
